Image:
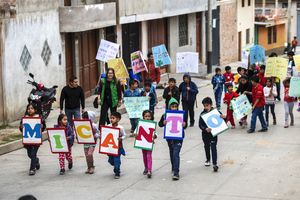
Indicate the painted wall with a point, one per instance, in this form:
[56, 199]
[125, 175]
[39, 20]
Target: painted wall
[174, 41]
[245, 20]
[263, 38]
[228, 33]
[30, 29]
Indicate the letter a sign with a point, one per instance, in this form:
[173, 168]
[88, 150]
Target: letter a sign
[174, 127]
[145, 133]
[84, 131]
[58, 140]
[32, 130]
[109, 143]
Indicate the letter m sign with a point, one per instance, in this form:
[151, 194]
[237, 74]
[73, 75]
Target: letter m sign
[32, 130]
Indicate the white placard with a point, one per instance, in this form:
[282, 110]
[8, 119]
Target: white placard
[107, 50]
[58, 140]
[32, 130]
[84, 132]
[109, 143]
[187, 62]
[214, 121]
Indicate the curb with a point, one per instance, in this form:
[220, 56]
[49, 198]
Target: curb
[16, 145]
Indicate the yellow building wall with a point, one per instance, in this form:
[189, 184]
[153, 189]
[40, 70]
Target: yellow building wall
[263, 37]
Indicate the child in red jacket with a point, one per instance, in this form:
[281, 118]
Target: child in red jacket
[229, 77]
[229, 95]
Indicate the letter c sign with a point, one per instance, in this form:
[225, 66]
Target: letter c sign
[214, 121]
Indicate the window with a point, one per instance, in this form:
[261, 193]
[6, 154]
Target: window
[249, 2]
[243, 3]
[183, 30]
[272, 35]
[248, 36]
[269, 35]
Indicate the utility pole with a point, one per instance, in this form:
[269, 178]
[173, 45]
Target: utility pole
[209, 38]
[289, 24]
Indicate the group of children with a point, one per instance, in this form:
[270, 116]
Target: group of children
[261, 92]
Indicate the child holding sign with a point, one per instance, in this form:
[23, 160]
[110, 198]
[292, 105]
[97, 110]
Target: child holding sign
[209, 141]
[229, 95]
[289, 103]
[90, 148]
[116, 160]
[270, 93]
[62, 122]
[174, 145]
[147, 154]
[32, 149]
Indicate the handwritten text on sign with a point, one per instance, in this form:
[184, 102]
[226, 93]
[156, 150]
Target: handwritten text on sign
[241, 107]
[161, 56]
[107, 50]
[32, 130]
[136, 105]
[109, 143]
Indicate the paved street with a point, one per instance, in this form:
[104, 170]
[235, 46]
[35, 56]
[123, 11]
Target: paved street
[252, 167]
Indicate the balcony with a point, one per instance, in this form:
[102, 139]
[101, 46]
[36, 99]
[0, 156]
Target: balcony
[87, 17]
[270, 14]
[135, 11]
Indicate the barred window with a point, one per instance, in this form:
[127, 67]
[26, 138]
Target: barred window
[248, 36]
[183, 30]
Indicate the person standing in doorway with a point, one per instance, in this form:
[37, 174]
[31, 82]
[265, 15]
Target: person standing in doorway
[109, 95]
[189, 90]
[153, 73]
[73, 96]
[294, 44]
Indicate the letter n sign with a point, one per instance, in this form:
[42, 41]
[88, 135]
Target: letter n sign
[145, 133]
[58, 140]
[109, 143]
[174, 127]
[32, 130]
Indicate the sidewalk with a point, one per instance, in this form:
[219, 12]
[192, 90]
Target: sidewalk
[51, 120]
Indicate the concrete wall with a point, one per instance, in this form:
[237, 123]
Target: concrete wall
[30, 29]
[228, 33]
[28, 6]
[245, 20]
[174, 41]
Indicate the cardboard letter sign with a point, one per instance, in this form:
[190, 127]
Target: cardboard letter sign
[58, 140]
[32, 130]
[214, 121]
[174, 127]
[145, 133]
[84, 131]
[109, 143]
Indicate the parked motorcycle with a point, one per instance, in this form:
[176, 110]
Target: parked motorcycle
[42, 97]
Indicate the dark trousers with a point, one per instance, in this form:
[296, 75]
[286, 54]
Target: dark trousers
[272, 108]
[116, 162]
[210, 143]
[218, 97]
[32, 154]
[188, 107]
[72, 113]
[134, 123]
[174, 150]
[104, 113]
[278, 91]
[258, 112]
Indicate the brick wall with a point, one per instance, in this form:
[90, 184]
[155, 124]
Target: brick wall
[228, 33]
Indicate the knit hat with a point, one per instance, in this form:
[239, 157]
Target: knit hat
[172, 101]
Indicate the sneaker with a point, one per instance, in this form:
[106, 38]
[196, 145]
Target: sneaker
[38, 166]
[62, 171]
[70, 165]
[233, 127]
[250, 131]
[207, 163]
[87, 171]
[175, 177]
[286, 126]
[216, 168]
[31, 172]
[145, 172]
[274, 122]
[92, 170]
[117, 176]
[292, 124]
[192, 125]
[263, 130]
[149, 174]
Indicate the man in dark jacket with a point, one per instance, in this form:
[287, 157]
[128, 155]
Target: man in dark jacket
[188, 90]
[73, 96]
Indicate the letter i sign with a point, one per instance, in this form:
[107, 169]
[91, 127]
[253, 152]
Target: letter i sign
[109, 143]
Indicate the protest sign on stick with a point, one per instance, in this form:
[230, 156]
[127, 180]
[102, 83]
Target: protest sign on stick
[161, 56]
[107, 50]
[136, 105]
[187, 62]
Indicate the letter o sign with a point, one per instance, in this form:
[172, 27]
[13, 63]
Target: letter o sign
[214, 121]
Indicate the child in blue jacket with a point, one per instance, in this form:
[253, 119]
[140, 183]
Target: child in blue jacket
[218, 82]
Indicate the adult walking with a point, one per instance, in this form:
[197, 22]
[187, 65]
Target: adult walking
[73, 96]
[153, 73]
[189, 90]
[109, 95]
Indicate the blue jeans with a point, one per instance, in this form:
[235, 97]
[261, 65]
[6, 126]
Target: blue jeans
[116, 161]
[258, 112]
[134, 123]
[174, 149]
[72, 113]
[218, 97]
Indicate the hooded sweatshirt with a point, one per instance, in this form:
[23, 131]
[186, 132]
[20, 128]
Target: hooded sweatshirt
[162, 119]
[190, 95]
